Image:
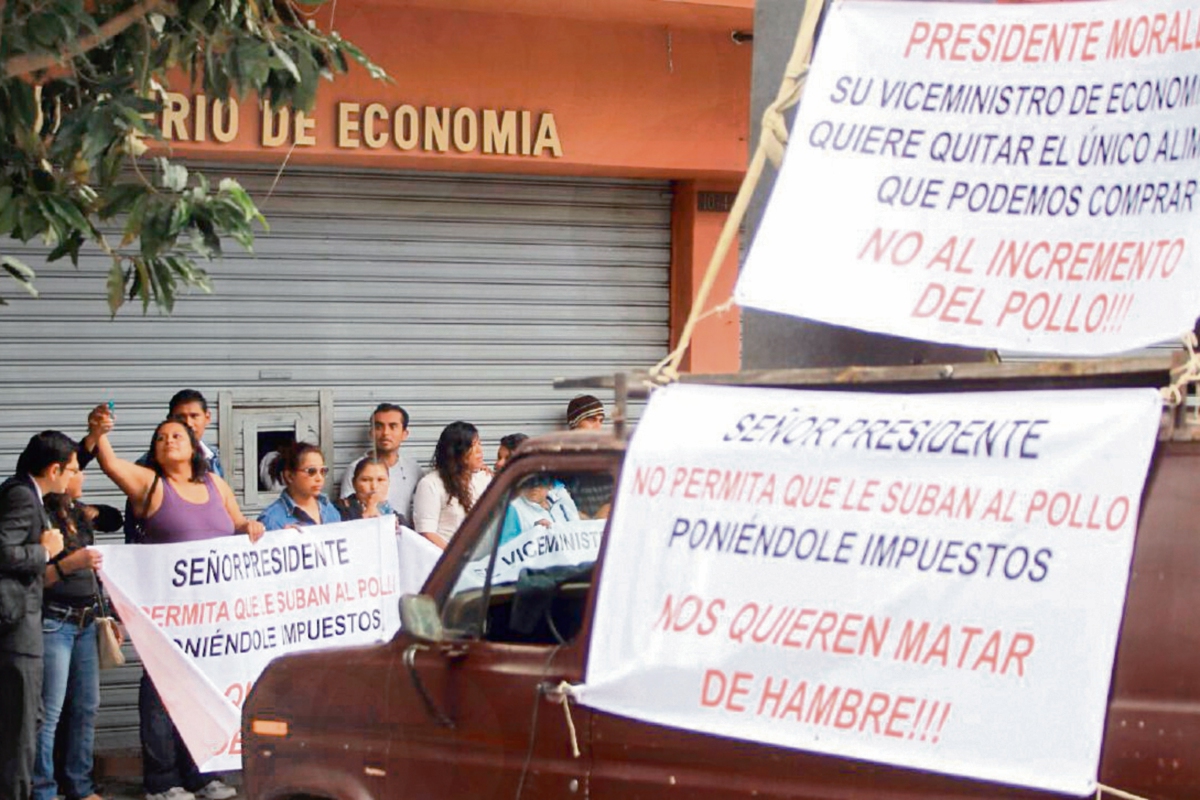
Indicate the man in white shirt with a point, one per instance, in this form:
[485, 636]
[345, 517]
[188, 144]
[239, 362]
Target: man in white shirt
[389, 429]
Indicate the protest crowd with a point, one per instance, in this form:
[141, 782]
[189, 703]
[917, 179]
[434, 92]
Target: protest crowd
[52, 604]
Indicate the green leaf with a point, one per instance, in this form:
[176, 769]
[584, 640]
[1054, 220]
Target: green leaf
[44, 29]
[67, 213]
[20, 271]
[68, 247]
[19, 103]
[241, 199]
[8, 211]
[61, 182]
[30, 220]
[137, 215]
[253, 61]
[181, 214]
[164, 283]
[116, 287]
[212, 242]
[141, 283]
[286, 61]
[120, 199]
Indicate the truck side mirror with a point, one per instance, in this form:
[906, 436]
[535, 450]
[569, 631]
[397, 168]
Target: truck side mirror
[419, 616]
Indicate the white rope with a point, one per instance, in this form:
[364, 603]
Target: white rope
[1176, 393]
[567, 693]
[665, 372]
[771, 144]
[1102, 790]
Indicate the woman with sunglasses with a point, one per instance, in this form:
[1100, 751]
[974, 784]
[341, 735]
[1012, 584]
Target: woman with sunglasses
[301, 469]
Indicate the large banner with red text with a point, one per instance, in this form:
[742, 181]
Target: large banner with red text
[1022, 177]
[929, 581]
[206, 617]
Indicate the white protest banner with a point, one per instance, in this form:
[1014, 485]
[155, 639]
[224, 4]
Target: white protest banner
[930, 581]
[206, 617]
[418, 556]
[561, 544]
[1006, 176]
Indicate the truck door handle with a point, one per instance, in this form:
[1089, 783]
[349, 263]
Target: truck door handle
[410, 661]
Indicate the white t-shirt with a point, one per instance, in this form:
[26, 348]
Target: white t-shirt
[435, 511]
[402, 482]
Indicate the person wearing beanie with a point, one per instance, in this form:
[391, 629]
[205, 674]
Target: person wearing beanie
[591, 492]
[585, 413]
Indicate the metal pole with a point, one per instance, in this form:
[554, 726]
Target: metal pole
[621, 390]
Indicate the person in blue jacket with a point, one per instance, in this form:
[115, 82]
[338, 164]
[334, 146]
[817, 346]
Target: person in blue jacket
[301, 469]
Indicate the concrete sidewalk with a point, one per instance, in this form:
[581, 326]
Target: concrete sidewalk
[119, 777]
[131, 788]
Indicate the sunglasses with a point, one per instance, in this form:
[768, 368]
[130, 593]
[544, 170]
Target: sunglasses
[312, 472]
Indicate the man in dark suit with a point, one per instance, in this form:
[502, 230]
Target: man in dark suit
[26, 546]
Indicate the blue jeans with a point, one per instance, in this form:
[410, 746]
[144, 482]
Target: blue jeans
[70, 691]
[166, 762]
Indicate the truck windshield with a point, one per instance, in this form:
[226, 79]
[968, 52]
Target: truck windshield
[528, 577]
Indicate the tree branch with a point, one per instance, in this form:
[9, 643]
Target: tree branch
[19, 66]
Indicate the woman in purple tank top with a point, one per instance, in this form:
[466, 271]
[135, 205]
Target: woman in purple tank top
[180, 500]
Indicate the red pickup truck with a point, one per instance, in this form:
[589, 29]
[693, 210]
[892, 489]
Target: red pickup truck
[464, 701]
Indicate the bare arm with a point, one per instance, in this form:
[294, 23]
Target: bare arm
[100, 422]
[132, 479]
[441, 541]
[427, 508]
[251, 527]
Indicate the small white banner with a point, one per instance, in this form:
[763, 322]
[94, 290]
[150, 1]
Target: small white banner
[560, 544]
[206, 617]
[930, 581]
[1022, 177]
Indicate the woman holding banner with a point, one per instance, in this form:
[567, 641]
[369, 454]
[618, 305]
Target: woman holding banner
[301, 469]
[180, 501]
[175, 493]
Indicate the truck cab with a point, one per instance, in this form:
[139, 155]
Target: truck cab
[471, 698]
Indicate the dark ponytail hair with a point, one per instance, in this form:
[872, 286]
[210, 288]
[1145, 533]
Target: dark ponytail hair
[60, 508]
[290, 456]
[450, 460]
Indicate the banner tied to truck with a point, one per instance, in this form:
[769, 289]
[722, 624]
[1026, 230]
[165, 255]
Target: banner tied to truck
[929, 581]
[1023, 177]
[206, 617]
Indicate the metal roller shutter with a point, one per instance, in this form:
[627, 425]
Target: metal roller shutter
[459, 297]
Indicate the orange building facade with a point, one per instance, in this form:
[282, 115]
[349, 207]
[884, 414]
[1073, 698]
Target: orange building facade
[629, 89]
